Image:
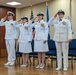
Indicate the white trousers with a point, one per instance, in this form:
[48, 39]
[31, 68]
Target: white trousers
[62, 48]
[10, 45]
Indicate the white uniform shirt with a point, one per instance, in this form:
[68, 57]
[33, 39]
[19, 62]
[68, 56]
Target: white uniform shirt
[25, 32]
[63, 31]
[41, 29]
[10, 30]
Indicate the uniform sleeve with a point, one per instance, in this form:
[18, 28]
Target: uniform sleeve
[51, 21]
[69, 30]
[46, 31]
[30, 22]
[17, 25]
[2, 23]
[30, 34]
[33, 25]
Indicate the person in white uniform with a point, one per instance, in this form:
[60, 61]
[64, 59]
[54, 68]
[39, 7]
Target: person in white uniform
[41, 37]
[62, 38]
[25, 39]
[10, 37]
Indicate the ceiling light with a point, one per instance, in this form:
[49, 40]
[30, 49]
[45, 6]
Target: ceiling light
[13, 3]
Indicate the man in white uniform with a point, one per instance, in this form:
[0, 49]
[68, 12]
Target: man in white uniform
[62, 37]
[10, 37]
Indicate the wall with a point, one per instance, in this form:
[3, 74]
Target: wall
[54, 6]
[3, 13]
[18, 14]
[74, 16]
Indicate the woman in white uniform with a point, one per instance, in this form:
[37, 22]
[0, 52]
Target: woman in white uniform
[62, 38]
[25, 40]
[41, 37]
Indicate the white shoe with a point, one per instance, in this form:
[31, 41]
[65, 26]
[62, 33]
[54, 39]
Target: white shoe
[24, 65]
[42, 66]
[12, 64]
[65, 69]
[7, 64]
[37, 67]
[58, 69]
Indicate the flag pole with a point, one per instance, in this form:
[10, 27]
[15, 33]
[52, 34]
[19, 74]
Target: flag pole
[69, 10]
[70, 14]
[47, 18]
[31, 6]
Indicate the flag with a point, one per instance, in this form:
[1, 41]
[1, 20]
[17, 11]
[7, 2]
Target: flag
[47, 18]
[47, 12]
[32, 16]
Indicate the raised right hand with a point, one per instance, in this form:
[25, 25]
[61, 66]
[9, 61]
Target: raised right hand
[19, 20]
[55, 15]
[34, 19]
[5, 18]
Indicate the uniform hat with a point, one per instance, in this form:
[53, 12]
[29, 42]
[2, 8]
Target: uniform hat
[61, 11]
[9, 13]
[25, 17]
[40, 14]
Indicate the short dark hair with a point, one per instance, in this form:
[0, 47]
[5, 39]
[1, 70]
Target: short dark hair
[25, 18]
[61, 12]
[10, 14]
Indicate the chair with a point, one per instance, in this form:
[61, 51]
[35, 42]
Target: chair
[33, 54]
[18, 55]
[52, 50]
[72, 50]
